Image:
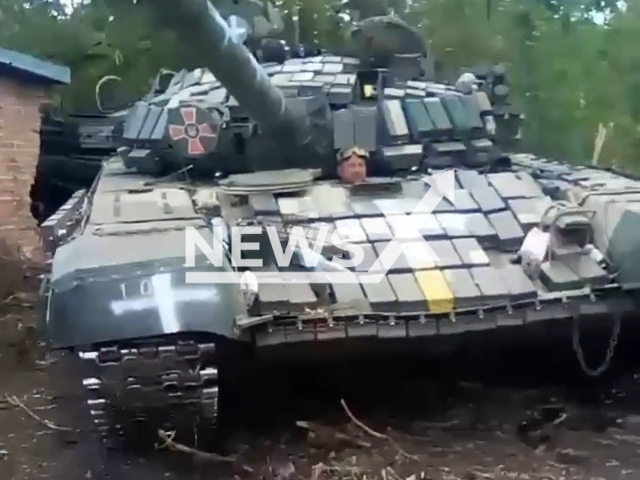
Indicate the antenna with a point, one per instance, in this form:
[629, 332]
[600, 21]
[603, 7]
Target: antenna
[295, 16]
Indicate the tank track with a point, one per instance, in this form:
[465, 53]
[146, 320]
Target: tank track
[140, 389]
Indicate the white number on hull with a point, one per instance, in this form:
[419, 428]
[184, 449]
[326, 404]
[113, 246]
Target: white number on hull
[142, 289]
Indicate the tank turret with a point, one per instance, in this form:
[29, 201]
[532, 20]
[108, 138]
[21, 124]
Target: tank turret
[316, 102]
[298, 127]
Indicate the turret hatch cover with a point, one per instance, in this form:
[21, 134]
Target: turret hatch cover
[274, 180]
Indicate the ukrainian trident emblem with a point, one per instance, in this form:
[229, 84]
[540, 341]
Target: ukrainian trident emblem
[193, 131]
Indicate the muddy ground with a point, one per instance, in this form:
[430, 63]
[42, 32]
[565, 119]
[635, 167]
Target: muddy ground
[400, 426]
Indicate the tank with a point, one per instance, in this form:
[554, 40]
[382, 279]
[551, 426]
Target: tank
[152, 299]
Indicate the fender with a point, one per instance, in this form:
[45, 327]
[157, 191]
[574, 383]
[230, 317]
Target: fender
[147, 299]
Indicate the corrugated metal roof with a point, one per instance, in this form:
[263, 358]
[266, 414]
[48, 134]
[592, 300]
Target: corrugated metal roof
[34, 66]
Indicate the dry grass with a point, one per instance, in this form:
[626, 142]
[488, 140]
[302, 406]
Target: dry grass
[12, 267]
[19, 282]
[19, 273]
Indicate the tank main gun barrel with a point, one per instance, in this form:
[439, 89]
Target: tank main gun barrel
[199, 23]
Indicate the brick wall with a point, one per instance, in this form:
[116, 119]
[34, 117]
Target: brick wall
[19, 145]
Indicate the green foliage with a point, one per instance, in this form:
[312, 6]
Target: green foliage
[568, 72]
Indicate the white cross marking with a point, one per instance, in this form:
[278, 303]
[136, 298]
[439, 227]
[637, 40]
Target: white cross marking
[165, 298]
[237, 29]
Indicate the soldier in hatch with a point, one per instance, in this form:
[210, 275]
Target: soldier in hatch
[352, 165]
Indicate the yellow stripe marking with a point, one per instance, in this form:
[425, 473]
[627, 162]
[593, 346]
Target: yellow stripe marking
[436, 290]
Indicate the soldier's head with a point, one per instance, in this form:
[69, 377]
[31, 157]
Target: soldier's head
[352, 165]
